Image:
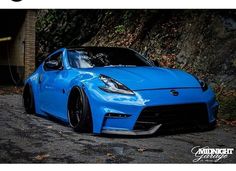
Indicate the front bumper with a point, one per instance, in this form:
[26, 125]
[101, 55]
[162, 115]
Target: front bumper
[128, 108]
[133, 132]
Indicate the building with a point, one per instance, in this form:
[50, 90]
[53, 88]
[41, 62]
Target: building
[17, 45]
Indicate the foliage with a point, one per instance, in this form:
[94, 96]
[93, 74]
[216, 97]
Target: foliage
[120, 29]
[227, 108]
[63, 28]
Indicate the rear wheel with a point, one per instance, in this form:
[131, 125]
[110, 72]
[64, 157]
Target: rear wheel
[79, 113]
[28, 99]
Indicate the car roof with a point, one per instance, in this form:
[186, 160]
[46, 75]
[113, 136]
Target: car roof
[96, 47]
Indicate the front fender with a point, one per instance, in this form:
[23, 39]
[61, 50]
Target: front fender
[33, 82]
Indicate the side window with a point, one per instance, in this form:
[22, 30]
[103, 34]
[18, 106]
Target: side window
[54, 62]
[74, 59]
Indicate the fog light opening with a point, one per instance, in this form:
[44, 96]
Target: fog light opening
[117, 115]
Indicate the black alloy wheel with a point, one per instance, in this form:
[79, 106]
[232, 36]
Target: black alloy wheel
[79, 111]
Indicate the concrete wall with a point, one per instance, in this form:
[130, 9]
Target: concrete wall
[19, 53]
[16, 48]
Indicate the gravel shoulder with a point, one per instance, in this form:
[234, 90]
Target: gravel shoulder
[31, 139]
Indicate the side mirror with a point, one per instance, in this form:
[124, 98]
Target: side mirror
[53, 64]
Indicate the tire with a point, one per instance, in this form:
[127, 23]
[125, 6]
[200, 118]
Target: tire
[28, 100]
[79, 113]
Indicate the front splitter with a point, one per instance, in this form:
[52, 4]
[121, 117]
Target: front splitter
[136, 132]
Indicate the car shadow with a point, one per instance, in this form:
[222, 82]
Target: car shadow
[53, 119]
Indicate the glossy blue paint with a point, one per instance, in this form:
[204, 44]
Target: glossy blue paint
[151, 86]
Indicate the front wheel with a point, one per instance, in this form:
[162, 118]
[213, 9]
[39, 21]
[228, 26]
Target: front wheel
[79, 113]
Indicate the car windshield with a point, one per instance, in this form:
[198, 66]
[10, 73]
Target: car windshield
[102, 57]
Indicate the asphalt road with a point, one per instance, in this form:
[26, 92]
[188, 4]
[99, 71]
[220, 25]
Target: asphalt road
[31, 139]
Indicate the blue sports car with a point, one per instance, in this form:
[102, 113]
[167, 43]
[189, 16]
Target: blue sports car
[117, 91]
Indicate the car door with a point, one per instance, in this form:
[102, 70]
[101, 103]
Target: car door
[52, 87]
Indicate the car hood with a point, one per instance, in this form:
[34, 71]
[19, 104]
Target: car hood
[140, 78]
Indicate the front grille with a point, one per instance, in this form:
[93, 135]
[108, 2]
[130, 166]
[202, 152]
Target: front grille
[172, 116]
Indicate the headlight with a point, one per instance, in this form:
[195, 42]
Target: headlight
[113, 86]
[203, 84]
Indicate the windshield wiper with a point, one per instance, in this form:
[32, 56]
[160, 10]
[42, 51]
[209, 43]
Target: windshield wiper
[120, 65]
